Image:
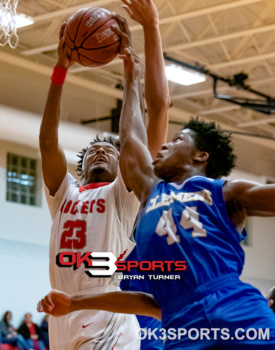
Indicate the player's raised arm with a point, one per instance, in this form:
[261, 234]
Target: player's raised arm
[54, 163]
[246, 198]
[135, 159]
[58, 303]
[156, 84]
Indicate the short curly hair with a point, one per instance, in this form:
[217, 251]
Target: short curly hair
[81, 154]
[217, 143]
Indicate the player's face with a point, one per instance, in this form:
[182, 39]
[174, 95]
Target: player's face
[176, 157]
[101, 161]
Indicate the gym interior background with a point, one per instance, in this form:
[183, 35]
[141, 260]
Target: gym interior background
[227, 37]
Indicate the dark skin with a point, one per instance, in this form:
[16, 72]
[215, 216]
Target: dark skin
[58, 303]
[53, 157]
[101, 163]
[242, 198]
[178, 160]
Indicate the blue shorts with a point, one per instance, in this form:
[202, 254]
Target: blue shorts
[221, 314]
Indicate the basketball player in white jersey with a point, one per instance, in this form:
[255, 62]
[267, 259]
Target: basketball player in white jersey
[96, 217]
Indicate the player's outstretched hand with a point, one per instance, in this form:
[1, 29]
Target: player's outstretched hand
[55, 303]
[64, 61]
[142, 11]
[123, 31]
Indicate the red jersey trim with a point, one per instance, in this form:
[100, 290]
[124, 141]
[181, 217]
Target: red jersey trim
[93, 186]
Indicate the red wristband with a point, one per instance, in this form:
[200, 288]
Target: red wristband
[59, 75]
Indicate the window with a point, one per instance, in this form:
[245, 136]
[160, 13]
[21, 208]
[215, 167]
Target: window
[21, 180]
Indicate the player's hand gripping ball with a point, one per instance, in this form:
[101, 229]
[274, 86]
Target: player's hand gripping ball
[89, 38]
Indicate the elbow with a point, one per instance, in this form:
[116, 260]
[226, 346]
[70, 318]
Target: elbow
[160, 106]
[160, 101]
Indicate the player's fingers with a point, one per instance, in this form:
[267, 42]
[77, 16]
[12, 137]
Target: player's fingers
[39, 306]
[138, 4]
[133, 5]
[129, 11]
[126, 53]
[122, 57]
[49, 300]
[118, 31]
[61, 33]
[61, 43]
[45, 306]
[270, 303]
[126, 2]
[121, 21]
[123, 24]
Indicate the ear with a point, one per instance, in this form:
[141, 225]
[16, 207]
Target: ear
[201, 156]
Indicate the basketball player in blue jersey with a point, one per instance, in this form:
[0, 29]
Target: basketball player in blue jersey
[188, 213]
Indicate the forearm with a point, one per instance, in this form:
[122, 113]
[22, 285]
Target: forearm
[131, 118]
[49, 126]
[156, 84]
[156, 90]
[52, 154]
[121, 302]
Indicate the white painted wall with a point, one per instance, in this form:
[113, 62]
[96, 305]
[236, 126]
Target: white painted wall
[24, 277]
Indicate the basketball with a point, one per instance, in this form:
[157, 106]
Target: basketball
[89, 38]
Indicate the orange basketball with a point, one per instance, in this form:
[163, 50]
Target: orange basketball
[89, 38]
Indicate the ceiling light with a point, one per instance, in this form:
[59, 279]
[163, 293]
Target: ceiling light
[23, 20]
[183, 76]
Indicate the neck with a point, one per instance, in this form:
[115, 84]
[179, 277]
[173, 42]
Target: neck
[181, 177]
[98, 178]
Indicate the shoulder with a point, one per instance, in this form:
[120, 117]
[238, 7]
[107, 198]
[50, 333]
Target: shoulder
[199, 183]
[234, 190]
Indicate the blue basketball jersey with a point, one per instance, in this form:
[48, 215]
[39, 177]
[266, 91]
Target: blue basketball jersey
[188, 222]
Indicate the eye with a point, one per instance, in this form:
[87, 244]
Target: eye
[110, 151]
[177, 139]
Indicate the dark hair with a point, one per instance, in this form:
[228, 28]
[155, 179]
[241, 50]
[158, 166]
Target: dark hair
[211, 139]
[81, 154]
[4, 318]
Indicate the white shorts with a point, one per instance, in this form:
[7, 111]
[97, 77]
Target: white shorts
[94, 330]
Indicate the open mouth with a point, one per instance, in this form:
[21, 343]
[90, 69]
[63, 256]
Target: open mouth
[158, 158]
[159, 155]
[100, 159]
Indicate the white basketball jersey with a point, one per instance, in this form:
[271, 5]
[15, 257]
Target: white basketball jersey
[95, 220]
